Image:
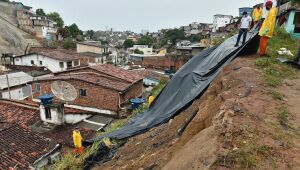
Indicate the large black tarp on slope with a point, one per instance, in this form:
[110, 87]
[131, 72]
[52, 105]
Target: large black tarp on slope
[187, 84]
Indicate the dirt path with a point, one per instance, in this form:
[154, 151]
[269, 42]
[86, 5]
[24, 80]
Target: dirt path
[237, 126]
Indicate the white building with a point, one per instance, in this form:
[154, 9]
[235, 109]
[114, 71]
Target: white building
[14, 86]
[144, 48]
[144, 32]
[221, 21]
[55, 61]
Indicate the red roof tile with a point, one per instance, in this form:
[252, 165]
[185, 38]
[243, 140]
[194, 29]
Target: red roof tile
[20, 147]
[58, 54]
[97, 79]
[118, 72]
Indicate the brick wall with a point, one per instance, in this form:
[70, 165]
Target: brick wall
[97, 96]
[135, 90]
[162, 62]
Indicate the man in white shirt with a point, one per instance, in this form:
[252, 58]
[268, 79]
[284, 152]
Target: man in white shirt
[244, 28]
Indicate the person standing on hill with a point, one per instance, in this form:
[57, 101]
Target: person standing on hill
[267, 29]
[257, 15]
[244, 28]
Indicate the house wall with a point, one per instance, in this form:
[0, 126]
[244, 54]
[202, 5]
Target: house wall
[56, 116]
[75, 118]
[51, 64]
[97, 96]
[18, 93]
[81, 48]
[220, 21]
[135, 90]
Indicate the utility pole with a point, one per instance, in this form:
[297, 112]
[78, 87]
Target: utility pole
[8, 86]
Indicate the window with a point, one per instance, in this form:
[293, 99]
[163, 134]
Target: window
[76, 63]
[47, 113]
[297, 22]
[69, 64]
[61, 64]
[82, 92]
[37, 87]
[32, 62]
[41, 63]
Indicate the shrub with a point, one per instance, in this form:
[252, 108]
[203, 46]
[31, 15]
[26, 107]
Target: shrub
[68, 43]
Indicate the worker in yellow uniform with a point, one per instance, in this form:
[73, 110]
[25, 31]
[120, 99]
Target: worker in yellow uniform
[150, 99]
[257, 15]
[77, 139]
[267, 29]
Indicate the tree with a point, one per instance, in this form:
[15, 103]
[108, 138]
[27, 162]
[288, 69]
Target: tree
[68, 43]
[146, 40]
[64, 32]
[195, 38]
[40, 12]
[128, 43]
[54, 16]
[74, 30]
[174, 35]
[137, 51]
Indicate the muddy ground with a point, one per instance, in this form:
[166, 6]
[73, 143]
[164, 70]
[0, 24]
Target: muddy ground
[236, 127]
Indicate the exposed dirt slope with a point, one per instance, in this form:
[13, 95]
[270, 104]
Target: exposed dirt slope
[236, 127]
[12, 39]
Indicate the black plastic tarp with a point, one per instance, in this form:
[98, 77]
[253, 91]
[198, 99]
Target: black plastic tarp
[186, 85]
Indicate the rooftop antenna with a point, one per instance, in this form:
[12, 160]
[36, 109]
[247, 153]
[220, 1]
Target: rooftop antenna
[64, 91]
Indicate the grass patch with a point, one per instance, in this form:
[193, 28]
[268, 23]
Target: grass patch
[283, 116]
[162, 83]
[276, 95]
[275, 72]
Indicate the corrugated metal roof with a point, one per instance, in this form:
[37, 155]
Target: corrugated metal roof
[14, 79]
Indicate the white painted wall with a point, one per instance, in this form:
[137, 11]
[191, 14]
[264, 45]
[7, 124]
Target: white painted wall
[56, 117]
[75, 118]
[16, 94]
[221, 21]
[51, 64]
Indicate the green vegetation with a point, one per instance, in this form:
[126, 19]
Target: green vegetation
[283, 116]
[157, 89]
[137, 51]
[195, 38]
[68, 43]
[173, 36]
[273, 71]
[128, 43]
[54, 16]
[276, 95]
[146, 40]
[74, 30]
[40, 12]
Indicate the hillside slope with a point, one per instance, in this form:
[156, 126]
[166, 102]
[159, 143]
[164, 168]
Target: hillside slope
[241, 123]
[12, 39]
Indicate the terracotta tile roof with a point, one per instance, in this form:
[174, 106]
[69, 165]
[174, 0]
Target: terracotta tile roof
[94, 78]
[58, 54]
[118, 72]
[148, 73]
[20, 147]
[16, 114]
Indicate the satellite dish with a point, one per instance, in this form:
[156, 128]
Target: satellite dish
[64, 91]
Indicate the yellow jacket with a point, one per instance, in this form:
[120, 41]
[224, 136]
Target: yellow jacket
[150, 100]
[257, 14]
[269, 23]
[77, 139]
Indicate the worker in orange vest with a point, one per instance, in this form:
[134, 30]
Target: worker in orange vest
[267, 29]
[77, 139]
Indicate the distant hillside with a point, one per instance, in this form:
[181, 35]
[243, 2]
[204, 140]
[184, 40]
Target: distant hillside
[12, 39]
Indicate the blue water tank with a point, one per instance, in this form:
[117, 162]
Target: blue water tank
[46, 99]
[135, 103]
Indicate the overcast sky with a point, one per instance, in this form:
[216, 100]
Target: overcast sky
[136, 15]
